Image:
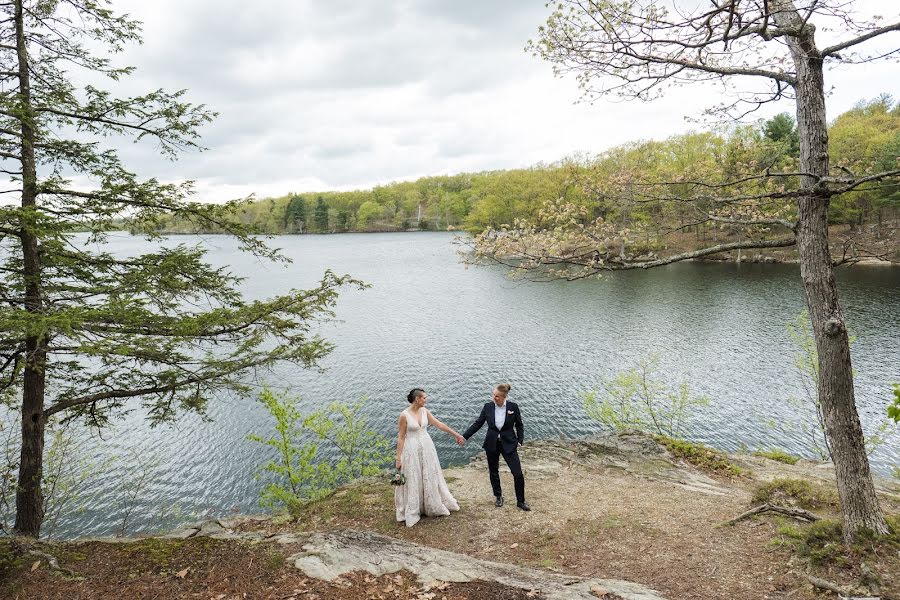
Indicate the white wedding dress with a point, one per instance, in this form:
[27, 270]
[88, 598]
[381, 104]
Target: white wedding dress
[425, 492]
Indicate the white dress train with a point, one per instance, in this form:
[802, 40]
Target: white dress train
[425, 491]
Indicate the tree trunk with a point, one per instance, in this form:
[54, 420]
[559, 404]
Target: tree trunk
[856, 489]
[29, 500]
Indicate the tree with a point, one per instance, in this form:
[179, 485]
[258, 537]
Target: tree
[321, 214]
[782, 129]
[867, 139]
[367, 212]
[343, 220]
[86, 334]
[635, 49]
[295, 214]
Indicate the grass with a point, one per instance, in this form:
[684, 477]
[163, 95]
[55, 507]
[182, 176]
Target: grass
[778, 456]
[12, 562]
[822, 542]
[702, 457]
[794, 492]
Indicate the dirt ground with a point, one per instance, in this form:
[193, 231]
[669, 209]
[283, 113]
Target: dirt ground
[596, 513]
[217, 570]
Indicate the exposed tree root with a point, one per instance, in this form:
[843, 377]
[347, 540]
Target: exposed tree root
[797, 513]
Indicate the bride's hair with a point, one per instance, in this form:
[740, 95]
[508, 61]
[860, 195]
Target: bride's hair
[504, 388]
[413, 394]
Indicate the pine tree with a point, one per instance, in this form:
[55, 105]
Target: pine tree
[86, 334]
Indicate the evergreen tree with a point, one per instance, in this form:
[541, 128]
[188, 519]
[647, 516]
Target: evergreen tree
[84, 333]
[295, 215]
[321, 215]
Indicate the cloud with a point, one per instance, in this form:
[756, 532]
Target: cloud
[345, 94]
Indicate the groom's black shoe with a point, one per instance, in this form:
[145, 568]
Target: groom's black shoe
[523, 506]
[499, 501]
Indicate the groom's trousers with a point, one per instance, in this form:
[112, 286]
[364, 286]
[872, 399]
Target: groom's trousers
[515, 466]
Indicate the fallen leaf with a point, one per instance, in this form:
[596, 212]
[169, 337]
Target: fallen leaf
[35, 565]
[181, 574]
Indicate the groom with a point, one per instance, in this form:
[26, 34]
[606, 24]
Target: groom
[502, 417]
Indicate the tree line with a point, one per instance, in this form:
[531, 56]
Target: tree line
[865, 138]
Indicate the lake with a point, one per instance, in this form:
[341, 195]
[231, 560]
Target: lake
[429, 321]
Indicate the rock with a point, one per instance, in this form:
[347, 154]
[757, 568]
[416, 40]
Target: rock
[874, 262]
[237, 521]
[243, 536]
[329, 555]
[209, 528]
[181, 534]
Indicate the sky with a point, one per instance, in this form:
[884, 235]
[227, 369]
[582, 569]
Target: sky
[317, 95]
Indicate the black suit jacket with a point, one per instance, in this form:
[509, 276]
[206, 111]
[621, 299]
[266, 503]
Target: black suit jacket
[511, 434]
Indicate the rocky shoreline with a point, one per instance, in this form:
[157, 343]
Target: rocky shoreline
[614, 517]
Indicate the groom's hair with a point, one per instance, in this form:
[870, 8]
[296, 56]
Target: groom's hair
[504, 388]
[413, 394]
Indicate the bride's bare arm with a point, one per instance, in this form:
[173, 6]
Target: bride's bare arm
[434, 421]
[401, 439]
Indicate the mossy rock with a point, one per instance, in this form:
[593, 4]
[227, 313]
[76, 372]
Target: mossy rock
[702, 457]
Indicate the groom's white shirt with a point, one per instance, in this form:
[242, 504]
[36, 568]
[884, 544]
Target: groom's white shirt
[500, 414]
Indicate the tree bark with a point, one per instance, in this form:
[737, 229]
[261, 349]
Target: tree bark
[856, 489]
[29, 499]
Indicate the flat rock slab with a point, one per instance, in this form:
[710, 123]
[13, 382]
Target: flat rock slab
[330, 555]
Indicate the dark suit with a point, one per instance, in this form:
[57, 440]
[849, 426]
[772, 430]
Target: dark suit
[502, 441]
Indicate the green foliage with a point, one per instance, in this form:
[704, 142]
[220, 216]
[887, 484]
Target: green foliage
[822, 542]
[700, 456]
[368, 212]
[99, 333]
[778, 455]
[318, 452]
[893, 411]
[864, 140]
[793, 492]
[636, 400]
[602, 186]
[321, 215]
[295, 215]
[782, 129]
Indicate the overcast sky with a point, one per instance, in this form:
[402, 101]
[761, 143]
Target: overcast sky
[343, 94]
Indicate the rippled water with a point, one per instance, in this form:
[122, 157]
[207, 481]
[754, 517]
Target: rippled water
[429, 321]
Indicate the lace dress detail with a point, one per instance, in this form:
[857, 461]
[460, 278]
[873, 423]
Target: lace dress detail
[426, 491]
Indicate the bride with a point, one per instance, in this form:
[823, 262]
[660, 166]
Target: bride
[425, 491]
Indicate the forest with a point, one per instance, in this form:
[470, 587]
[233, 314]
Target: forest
[863, 139]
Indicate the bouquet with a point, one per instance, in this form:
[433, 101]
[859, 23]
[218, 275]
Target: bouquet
[398, 478]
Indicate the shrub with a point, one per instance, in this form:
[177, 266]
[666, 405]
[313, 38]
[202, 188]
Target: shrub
[822, 542]
[636, 400]
[793, 492]
[302, 472]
